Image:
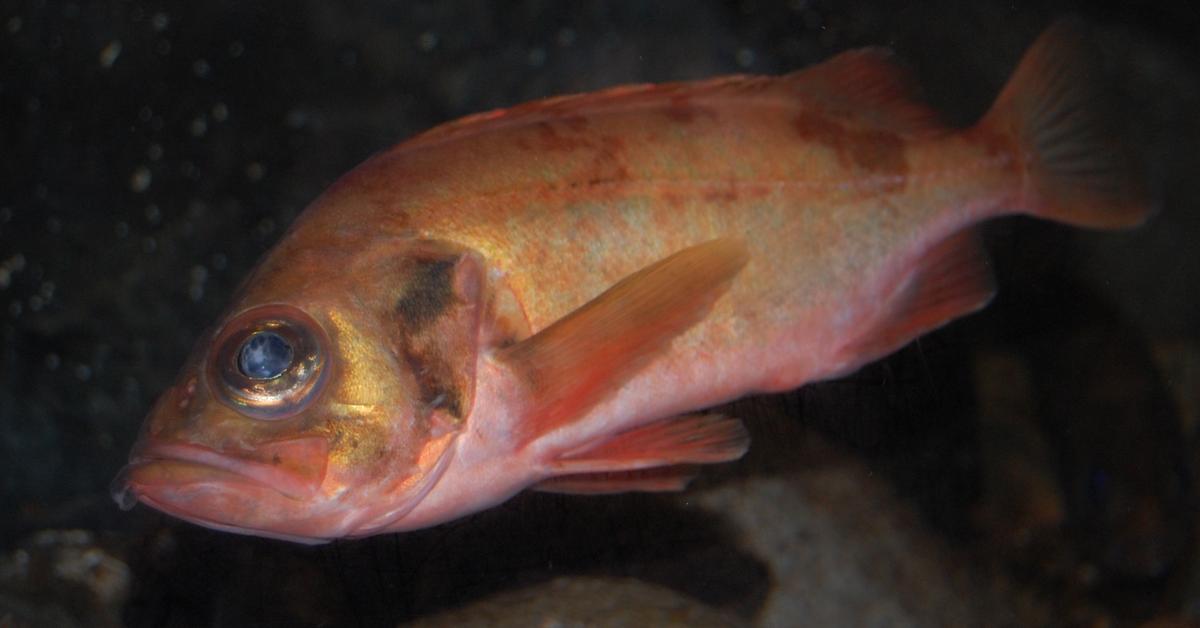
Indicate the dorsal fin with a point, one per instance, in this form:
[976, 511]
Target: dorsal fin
[869, 86]
[866, 85]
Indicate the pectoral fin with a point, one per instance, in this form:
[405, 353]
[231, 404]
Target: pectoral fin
[589, 354]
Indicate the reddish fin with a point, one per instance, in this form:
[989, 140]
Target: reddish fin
[866, 85]
[584, 357]
[870, 87]
[653, 480]
[951, 280]
[697, 439]
[1078, 170]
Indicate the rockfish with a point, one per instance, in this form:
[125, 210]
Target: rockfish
[545, 296]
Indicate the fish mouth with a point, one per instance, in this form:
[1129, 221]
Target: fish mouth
[294, 468]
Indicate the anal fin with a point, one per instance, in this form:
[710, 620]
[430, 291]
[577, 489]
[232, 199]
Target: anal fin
[952, 279]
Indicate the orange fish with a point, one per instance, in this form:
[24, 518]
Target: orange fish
[540, 297]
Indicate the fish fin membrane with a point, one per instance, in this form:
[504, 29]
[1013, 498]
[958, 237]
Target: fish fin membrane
[653, 480]
[1079, 168]
[589, 354]
[952, 279]
[870, 87]
[661, 456]
[697, 439]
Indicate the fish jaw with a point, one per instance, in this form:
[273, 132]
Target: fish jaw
[268, 492]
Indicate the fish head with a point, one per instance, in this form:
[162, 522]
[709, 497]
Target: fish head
[324, 404]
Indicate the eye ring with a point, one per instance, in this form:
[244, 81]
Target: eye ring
[269, 362]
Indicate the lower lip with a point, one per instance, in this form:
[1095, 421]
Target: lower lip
[160, 475]
[181, 464]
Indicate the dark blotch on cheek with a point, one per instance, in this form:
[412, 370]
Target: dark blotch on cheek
[429, 294]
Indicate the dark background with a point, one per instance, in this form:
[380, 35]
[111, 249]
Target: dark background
[151, 151]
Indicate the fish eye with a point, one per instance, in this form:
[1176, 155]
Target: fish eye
[269, 362]
[265, 355]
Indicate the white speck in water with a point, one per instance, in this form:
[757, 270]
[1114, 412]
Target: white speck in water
[33, 104]
[537, 57]
[109, 54]
[565, 37]
[35, 303]
[154, 152]
[83, 372]
[196, 292]
[201, 68]
[236, 48]
[163, 47]
[160, 21]
[54, 224]
[199, 126]
[10, 267]
[13, 24]
[220, 112]
[255, 171]
[149, 244]
[145, 113]
[219, 261]
[139, 181]
[153, 214]
[198, 274]
[46, 290]
[121, 229]
[266, 227]
[296, 118]
[52, 361]
[745, 57]
[6, 214]
[427, 41]
[15, 308]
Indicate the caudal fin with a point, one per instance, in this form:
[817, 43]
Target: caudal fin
[1078, 168]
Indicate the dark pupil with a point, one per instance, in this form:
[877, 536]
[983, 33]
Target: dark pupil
[264, 356]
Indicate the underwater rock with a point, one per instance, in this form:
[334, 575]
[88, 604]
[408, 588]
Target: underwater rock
[585, 601]
[844, 550]
[62, 578]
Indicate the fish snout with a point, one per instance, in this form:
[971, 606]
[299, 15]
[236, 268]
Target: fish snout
[293, 467]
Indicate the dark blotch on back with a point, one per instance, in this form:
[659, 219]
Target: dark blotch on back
[874, 151]
[429, 294]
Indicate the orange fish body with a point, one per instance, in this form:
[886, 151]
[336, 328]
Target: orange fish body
[538, 297]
